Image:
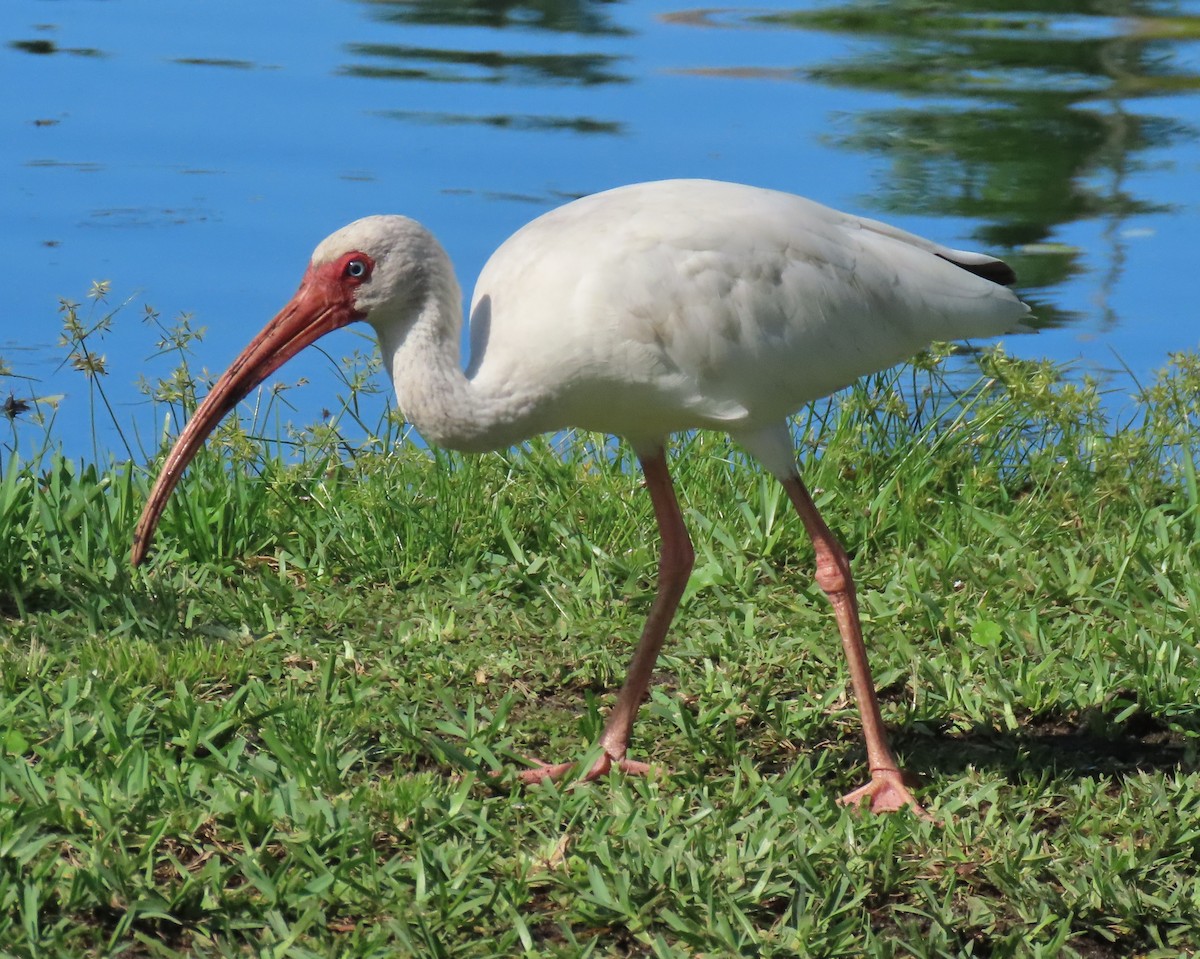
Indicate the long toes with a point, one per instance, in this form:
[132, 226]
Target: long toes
[631, 767]
[543, 772]
[886, 793]
[601, 767]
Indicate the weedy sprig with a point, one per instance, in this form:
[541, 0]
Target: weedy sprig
[79, 333]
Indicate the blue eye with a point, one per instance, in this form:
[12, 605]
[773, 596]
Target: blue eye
[356, 269]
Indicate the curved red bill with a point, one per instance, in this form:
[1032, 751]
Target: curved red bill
[319, 306]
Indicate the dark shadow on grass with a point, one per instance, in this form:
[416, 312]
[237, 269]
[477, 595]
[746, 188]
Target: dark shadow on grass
[1088, 744]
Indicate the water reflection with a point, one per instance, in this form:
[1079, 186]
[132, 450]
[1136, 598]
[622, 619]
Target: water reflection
[507, 121]
[46, 47]
[1021, 113]
[562, 16]
[510, 67]
[215, 62]
[398, 61]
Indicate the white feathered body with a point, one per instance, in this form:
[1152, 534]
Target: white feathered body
[661, 307]
[666, 306]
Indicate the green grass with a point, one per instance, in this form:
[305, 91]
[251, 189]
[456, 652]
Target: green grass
[277, 738]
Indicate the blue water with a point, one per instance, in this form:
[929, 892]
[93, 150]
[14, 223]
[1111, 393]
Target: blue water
[194, 154]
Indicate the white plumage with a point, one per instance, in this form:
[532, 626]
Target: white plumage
[682, 304]
[640, 312]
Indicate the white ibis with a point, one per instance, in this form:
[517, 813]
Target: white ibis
[641, 312]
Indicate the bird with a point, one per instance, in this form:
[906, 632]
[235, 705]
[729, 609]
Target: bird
[643, 311]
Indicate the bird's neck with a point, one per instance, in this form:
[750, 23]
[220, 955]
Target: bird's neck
[424, 359]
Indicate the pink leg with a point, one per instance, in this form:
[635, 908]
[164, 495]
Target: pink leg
[886, 791]
[674, 568]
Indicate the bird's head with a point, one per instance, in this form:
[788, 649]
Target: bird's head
[376, 269]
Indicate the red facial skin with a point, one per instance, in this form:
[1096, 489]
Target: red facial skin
[324, 302]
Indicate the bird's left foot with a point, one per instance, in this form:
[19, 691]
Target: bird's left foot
[886, 792]
[601, 767]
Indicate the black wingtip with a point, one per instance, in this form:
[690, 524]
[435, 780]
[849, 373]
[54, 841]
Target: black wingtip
[995, 270]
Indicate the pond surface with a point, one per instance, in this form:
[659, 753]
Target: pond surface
[193, 154]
